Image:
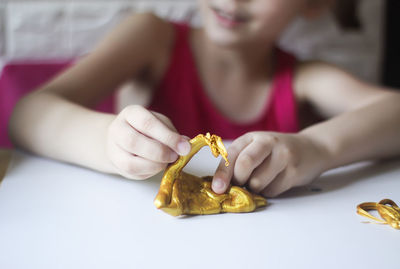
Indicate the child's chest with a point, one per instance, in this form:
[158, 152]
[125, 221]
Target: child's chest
[240, 103]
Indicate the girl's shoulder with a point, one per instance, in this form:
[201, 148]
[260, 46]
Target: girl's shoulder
[315, 77]
[153, 30]
[309, 75]
[144, 41]
[330, 89]
[137, 46]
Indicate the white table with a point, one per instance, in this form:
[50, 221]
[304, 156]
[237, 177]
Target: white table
[54, 215]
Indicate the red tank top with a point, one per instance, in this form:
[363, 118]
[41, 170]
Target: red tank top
[181, 97]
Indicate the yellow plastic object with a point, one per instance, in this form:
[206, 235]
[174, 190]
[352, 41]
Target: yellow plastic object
[185, 194]
[387, 209]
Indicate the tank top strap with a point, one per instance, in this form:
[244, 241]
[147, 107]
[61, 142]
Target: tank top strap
[283, 101]
[181, 62]
[181, 37]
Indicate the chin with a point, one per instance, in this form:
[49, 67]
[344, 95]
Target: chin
[223, 38]
[223, 41]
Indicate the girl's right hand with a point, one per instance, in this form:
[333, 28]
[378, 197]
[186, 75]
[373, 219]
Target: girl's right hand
[141, 143]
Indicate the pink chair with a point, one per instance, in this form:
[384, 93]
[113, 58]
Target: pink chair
[19, 78]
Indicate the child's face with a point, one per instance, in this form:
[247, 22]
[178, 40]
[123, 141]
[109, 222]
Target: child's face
[238, 22]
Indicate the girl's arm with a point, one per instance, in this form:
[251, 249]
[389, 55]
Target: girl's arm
[365, 119]
[364, 124]
[55, 121]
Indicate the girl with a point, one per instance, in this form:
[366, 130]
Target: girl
[227, 78]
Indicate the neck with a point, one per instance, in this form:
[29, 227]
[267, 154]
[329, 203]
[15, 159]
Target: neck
[250, 61]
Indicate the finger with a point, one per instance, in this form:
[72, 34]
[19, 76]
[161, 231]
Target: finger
[223, 174]
[147, 123]
[165, 120]
[135, 167]
[267, 171]
[249, 159]
[280, 184]
[136, 143]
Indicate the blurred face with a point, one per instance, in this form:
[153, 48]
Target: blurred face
[237, 22]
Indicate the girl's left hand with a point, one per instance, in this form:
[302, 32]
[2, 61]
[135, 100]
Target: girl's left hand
[270, 163]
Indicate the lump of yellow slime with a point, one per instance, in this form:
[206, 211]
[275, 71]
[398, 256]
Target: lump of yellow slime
[185, 194]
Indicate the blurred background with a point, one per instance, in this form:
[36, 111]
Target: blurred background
[40, 38]
[350, 36]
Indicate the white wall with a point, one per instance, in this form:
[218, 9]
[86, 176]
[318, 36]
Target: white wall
[38, 29]
[63, 29]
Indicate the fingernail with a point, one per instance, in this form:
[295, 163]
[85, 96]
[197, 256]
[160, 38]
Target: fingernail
[183, 148]
[218, 185]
